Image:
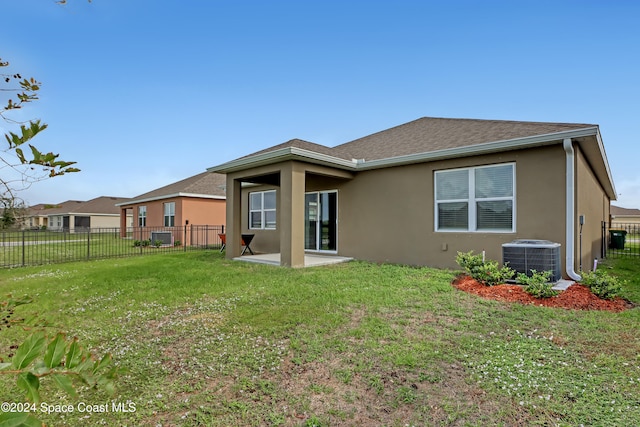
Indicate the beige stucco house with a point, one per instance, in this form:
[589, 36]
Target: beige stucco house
[36, 216]
[624, 217]
[420, 192]
[76, 215]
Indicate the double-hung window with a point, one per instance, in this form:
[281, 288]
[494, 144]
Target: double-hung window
[262, 210]
[170, 214]
[142, 216]
[478, 199]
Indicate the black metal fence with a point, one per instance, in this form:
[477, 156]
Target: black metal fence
[620, 240]
[34, 247]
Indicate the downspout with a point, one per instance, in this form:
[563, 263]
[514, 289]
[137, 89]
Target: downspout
[570, 209]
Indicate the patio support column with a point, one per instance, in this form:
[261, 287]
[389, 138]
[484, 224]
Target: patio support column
[292, 186]
[123, 222]
[233, 230]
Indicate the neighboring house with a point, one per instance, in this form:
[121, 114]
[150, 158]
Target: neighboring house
[420, 192]
[621, 217]
[36, 216]
[198, 200]
[74, 215]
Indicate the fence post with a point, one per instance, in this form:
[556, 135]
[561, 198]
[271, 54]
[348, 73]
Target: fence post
[23, 249]
[88, 244]
[184, 240]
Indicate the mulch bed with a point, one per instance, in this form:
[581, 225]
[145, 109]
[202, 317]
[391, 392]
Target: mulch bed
[576, 297]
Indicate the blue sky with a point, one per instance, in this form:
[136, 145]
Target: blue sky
[143, 93]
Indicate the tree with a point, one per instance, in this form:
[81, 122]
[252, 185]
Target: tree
[21, 162]
[12, 214]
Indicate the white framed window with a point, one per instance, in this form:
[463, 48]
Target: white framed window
[170, 214]
[142, 216]
[477, 199]
[262, 210]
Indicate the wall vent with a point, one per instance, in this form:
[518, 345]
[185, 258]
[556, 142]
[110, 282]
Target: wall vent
[164, 236]
[525, 255]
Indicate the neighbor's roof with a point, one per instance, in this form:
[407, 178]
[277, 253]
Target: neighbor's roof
[428, 139]
[618, 211]
[55, 209]
[203, 185]
[103, 205]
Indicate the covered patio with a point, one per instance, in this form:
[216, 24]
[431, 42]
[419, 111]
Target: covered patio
[292, 175]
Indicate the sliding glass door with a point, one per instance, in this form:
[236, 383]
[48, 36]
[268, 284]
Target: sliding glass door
[321, 221]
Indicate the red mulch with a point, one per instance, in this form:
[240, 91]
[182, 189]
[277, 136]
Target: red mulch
[576, 297]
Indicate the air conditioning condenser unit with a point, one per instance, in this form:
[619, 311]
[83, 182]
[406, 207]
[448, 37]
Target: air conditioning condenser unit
[524, 255]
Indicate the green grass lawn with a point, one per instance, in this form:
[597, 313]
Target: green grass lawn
[206, 341]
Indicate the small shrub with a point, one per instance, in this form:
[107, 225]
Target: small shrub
[488, 272]
[602, 284]
[145, 243]
[177, 243]
[468, 261]
[157, 243]
[137, 243]
[537, 285]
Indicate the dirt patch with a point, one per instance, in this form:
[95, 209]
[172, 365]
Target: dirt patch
[576, 297]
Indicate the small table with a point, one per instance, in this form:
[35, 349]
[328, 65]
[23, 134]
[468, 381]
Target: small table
[246, 241]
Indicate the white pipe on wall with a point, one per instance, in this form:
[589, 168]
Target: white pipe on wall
[570, 209]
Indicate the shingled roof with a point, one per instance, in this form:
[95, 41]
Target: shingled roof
[205, 184]
[429, 134]
[428, 139]
[105, 205]
[618, 211]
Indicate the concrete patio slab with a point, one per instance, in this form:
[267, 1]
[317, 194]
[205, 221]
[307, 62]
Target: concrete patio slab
[309, 260]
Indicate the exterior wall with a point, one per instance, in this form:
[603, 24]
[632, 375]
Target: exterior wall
[625, 220]
[265, 241]
[395, 222]
[104, 221]
[203, 211]
[55, 223]
[35, 221]
[97, 221]
[387, 215]
[593, 203]
[197, 211]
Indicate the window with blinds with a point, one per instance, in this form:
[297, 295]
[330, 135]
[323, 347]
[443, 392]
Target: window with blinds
[478, 199]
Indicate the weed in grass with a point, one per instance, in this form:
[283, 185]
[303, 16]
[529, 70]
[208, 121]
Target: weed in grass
[313, 421]
[430, 377]
[546, 378]
[320, 388]
[345, 375]
[407, 394]
[376, 383]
